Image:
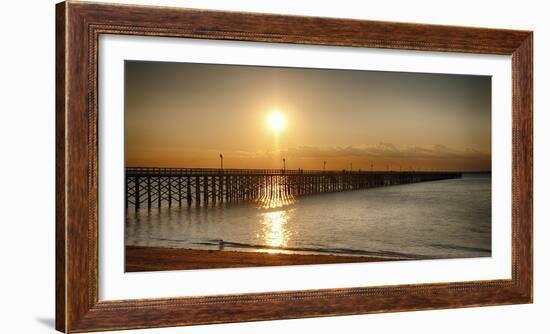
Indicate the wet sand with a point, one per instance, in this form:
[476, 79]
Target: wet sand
[157, 259]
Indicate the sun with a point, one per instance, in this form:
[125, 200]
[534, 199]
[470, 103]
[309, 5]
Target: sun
[276, 121]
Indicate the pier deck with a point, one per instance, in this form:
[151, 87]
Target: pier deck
[159, 187]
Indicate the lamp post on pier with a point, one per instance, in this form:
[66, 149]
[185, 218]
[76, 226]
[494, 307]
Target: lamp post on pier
[284, 164]
[221, 161]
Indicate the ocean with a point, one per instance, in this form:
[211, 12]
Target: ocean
[437, 219]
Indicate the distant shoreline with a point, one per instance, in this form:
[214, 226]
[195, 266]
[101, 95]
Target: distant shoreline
[140, 259]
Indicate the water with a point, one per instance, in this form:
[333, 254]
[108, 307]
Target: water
[439, 219]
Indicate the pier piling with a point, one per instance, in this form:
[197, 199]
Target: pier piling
[202, 186]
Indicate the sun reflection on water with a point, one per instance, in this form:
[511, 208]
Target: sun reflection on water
[275, 230]
[275, 197]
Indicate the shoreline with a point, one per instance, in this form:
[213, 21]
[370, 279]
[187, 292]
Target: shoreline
[140, 258]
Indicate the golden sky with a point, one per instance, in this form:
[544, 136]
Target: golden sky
[185, 115]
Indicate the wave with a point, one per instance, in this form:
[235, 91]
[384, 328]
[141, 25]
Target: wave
[333, 251]
[463, 248]
[218, 243]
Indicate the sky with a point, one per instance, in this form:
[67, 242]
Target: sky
[186, 115]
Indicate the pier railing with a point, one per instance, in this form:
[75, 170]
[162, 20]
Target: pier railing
[148, 187]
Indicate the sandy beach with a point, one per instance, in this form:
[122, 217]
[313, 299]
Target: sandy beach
[157, 259]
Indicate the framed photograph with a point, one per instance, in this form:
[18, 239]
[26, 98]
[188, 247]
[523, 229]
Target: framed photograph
[222, 167]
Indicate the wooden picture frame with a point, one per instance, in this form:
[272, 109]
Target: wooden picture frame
[78, 26]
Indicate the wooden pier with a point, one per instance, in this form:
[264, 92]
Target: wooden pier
[167, 187]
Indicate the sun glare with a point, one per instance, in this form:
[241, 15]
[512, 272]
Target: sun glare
[276, 121]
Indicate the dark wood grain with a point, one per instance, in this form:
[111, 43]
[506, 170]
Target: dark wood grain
[60, 180]
[78, 27]
[522, 166]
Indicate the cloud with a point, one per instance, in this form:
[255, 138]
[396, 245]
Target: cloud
[386, 150]
[381, 151]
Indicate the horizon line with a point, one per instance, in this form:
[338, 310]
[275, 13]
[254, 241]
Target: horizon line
[318, 170]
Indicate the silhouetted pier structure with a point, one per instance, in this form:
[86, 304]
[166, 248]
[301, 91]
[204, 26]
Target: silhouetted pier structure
[158, 187]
